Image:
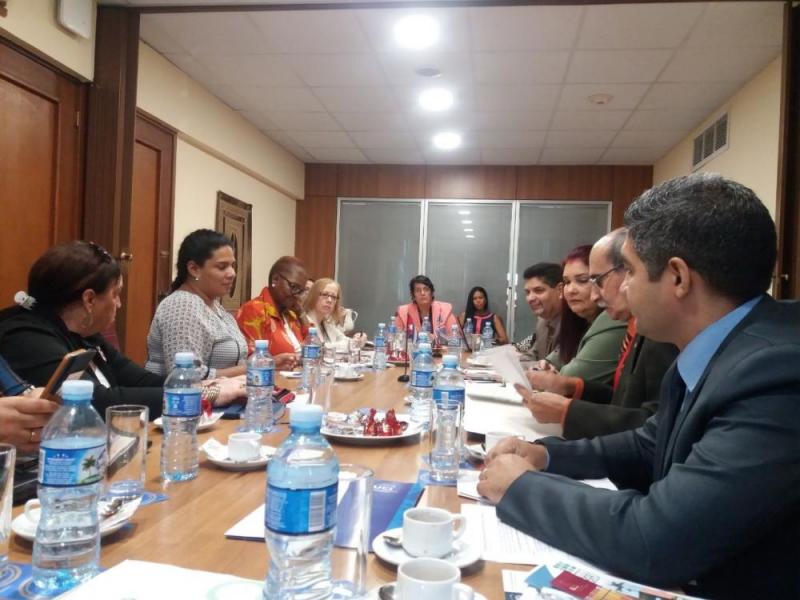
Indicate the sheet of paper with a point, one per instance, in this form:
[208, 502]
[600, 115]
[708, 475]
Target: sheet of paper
[140, 580]
[503, 543]
[493, 392]
[514, 584]
[505, 360]
[482, 415]
[467, 485]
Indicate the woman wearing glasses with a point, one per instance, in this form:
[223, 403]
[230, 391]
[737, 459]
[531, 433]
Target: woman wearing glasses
[589, 339]
[73, 295]
[191, 318]
[274, 315]
[324, 311]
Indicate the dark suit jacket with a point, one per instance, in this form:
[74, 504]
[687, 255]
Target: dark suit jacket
[603, 410]
[34, 342]
[713, 491]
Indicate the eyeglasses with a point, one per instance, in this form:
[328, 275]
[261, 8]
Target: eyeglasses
[598, 279]
[329, 296]
[294, 289]
[101, 252]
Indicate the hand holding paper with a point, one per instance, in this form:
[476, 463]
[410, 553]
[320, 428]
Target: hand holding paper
[504, 360]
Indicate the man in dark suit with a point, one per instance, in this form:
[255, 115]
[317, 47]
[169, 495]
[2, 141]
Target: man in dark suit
[592, 408]
[710, 485]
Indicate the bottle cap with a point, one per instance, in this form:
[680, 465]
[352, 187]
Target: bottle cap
[305, 414]
[77, 389]
[262, 344]
[381, 324]
[312, 331]
[425, 347]
[450, 361]
[184, 359]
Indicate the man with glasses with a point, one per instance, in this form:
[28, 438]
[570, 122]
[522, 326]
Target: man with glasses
[591, 408]
[710, 485]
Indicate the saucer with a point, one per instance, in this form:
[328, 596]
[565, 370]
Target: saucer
[374, 594]
[217, 454]
[354, 377]
[26, 529]
[462, 555]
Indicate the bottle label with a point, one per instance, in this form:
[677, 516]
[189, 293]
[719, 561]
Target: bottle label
[448, 396]
[67, 467]
[260, 377]
[182, 404]
[297, 512]
[423, 379]
[310, 351]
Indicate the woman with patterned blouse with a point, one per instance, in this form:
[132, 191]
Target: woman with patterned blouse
[191, 318]
[274, 315]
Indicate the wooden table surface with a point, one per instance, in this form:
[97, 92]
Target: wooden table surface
[188, 530]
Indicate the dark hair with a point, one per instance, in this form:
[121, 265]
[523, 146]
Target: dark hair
[550, 273]
[423, 280]
[719, 227]
[197, 247]
[283, 264]
[573, 327]
[469, 311]
[64, 272]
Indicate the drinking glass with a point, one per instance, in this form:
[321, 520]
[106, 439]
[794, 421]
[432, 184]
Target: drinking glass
[8, 455]
[127, 450]
[353, 515]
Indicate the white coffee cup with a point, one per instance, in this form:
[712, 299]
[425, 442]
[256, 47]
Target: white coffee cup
[431, 531]
[494, 437]
[33, 510]
[431, 579]
[244, 446]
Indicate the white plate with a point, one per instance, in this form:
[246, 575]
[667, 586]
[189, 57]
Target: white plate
[463, 554]
[373, 595]
[291, 374]
[480, 363]
[373, 440]
[206, 422]
[26, 529]
[248, 465]
[357, 377]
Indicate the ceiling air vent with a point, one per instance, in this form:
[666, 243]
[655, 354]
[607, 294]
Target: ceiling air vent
[712, 141]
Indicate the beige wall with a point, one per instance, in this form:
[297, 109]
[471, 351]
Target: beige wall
[198, 176]
[218, 150]
[169, 94]
[32, 23]
[752, 154]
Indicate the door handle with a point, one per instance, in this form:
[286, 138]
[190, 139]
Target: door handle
[126, 256]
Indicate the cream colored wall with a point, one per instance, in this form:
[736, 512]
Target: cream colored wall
[218, 150]
[752, 154]
[169, 94]
[198, 176]
[33, 23]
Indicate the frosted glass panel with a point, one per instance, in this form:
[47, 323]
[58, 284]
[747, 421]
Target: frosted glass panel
[378, 255]
[456, 263]
[546, 233]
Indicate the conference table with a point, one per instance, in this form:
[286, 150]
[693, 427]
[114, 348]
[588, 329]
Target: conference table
[188, 529]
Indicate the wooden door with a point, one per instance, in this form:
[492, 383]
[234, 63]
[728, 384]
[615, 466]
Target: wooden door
[149, 233]
[41, 163]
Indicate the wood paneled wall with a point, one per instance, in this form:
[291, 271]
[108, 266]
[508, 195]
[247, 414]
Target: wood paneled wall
[315, 228]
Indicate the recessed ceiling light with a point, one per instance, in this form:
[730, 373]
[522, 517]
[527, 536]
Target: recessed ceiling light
[447, 140]
[600, 99]
[463, 212]
[428, 72]
[469, 237]
[468, 230]
[466, 222]
[435, 99]
[416, 32]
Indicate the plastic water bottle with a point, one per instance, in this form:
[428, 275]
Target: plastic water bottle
[379, 360]
[72, 465]
[391, 336]
[448, 413]
[182, 406]
[469, 334]
[300, 515]
[422, 338]
[487, 336]
[260, 381]
[422, 372]
[426, 325]
[312, 354]
[454, 341]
